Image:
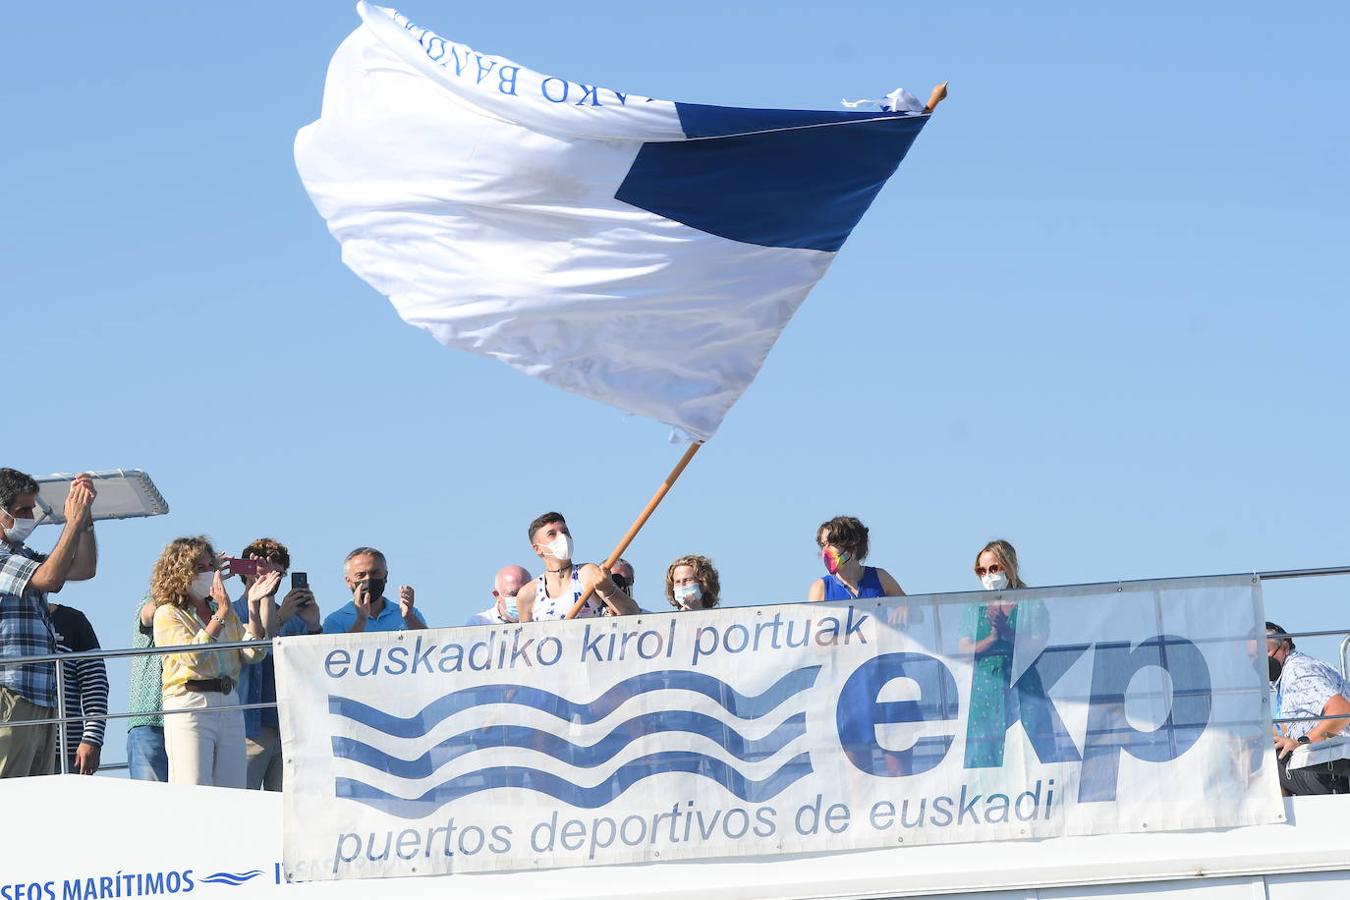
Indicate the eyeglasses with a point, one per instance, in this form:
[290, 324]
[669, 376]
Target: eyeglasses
[994, 568]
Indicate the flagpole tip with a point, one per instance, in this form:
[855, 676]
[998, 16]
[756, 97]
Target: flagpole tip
[939, 94]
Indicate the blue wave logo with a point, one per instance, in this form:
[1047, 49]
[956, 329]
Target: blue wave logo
[412, 766]
[233, 879]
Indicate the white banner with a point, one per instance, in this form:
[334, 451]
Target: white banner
[778, 729]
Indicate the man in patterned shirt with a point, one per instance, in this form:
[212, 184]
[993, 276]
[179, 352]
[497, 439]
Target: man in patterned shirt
[28, 692]
[1304, 686]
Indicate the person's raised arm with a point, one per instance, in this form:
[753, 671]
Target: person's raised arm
[412, 618]
[362, 601]
[85, 566]
[52, 575]
[262, 611]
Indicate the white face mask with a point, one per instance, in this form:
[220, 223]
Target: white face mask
[20, 530]
[200, 588]
[994, 581]
[689, 596]
[560, 548]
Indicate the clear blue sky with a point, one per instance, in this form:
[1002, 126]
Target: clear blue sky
[1100, 311]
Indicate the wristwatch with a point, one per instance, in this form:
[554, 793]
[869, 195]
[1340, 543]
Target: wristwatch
[1304, 739]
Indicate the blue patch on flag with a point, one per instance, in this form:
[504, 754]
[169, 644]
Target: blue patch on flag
[804, 185]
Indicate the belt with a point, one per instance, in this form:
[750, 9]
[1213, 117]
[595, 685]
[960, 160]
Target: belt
[222, 685]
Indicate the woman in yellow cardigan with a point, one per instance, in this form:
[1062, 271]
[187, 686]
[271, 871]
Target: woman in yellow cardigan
[205, 746]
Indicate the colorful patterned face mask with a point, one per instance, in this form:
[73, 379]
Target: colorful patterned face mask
[833, 559]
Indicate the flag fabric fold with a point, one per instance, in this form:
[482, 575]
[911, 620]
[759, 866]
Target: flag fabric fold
[641, 252]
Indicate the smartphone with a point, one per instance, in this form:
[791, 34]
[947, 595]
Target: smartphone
[299, 580]
[244, 566]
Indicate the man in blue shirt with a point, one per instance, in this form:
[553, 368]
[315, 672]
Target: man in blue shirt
[28, 692]
[366, 574]
[297, 613]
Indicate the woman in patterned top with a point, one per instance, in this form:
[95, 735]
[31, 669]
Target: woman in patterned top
[205, 746]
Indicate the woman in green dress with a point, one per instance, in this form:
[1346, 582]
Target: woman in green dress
[988, 630]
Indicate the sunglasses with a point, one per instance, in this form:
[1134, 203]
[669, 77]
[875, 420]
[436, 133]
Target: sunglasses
[994, 568]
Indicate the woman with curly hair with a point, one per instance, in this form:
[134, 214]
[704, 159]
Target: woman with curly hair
[692, 583]
[205, 746]
[843, 547]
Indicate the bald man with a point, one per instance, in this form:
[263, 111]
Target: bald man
[504, 587]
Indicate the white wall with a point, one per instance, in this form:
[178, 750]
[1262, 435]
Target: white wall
[57, 833]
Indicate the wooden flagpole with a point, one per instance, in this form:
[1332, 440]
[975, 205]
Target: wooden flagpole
[640, 521]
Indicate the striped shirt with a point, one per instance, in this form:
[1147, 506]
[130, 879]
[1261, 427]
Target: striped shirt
[85, 681]
[25, 626]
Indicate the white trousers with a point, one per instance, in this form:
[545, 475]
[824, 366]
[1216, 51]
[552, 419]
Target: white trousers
[205, 746]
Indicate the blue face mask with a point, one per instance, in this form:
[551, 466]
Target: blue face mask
[512, 610]
[688, 596]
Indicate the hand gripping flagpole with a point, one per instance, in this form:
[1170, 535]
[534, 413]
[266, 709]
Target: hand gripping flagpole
[639, 522]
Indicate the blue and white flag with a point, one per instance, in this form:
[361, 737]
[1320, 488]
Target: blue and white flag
[641, 252]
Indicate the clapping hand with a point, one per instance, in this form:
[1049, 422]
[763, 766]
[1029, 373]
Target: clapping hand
[80, 501]
[362, 600]
[405, 601]
[264, 586]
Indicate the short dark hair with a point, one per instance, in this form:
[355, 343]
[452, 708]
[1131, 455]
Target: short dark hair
[846, 533]
[547, 518]
[1275, 631]
[12, 484]
[365, 551]
[270, 549]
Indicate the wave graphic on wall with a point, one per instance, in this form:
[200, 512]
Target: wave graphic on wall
[734, 702]
[394, 747]
[574, 794]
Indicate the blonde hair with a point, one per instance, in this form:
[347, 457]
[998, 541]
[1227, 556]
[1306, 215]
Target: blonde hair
[704, 573]
[176, 568]
[1006, 557]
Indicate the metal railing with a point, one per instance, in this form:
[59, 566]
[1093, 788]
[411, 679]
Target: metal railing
[63, 720]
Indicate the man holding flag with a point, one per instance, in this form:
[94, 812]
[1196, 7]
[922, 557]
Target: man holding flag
[564, 585]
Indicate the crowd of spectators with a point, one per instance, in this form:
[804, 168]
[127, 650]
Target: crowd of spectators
[206, 715]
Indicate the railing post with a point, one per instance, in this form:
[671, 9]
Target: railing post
[61, 714]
